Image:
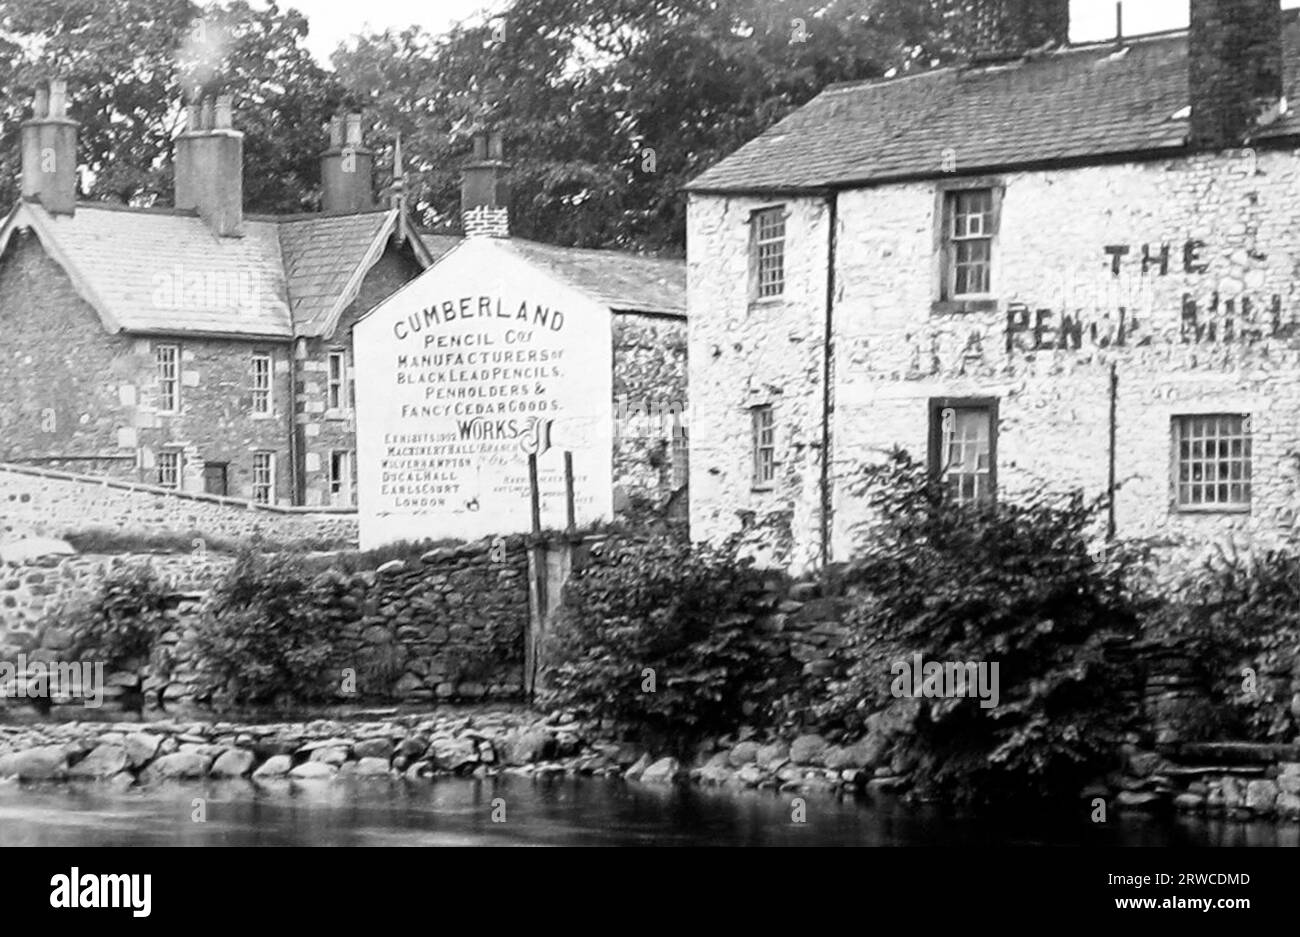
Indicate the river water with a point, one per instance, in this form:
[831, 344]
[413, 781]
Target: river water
[534, 812]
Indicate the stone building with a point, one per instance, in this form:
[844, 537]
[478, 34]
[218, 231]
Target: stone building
[198, 347]
[1050, 267]
[503, 344]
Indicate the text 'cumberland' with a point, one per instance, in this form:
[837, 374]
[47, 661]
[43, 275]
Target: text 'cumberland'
[481, 307]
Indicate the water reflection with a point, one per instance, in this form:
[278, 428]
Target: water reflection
[559, 812]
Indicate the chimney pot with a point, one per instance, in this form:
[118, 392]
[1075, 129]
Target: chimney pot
[58, 98]
[354, 129]
[41, 108]
[484, 190]
[208, 162]
[347, 167]
[49, 152]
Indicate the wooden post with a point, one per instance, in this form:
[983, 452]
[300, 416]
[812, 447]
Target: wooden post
[571, 523]
[537, 584]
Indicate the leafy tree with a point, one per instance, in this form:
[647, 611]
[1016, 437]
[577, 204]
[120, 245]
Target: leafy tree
[131, 63]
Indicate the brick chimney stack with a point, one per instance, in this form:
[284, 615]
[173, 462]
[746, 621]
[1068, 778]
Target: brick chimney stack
[484, 191]
[346, 168]
[49, 141]
[209, 166]
[1010, 28]
[1234, 69]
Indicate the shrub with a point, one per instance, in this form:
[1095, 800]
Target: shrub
[1239, 611]
[679, 615]
[271, 631]
[1011, 583]
[121, 622]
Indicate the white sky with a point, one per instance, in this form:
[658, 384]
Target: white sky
[333, 21]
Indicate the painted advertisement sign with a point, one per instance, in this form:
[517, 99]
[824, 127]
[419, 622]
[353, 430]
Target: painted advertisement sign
[460, 375]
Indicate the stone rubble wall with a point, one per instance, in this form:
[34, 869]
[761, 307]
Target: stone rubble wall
[448, 626]
[39, 502]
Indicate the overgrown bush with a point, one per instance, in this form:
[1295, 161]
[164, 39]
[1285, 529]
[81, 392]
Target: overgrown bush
[1018, 584]
[660, 636]
[121, 622]
[271, 631]
[1238, 619]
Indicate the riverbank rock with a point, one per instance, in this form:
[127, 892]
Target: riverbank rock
[141, 747]
[372, 767]
[807, 750]
[233, 763]
[774, 755]
[47, 763]
[663, 771]
[313, 771]
[638, 769]
[179, 765]
[104, 761]
[277, 766]
[374, 748]
[743, 753]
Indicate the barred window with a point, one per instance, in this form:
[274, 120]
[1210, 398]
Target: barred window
[169, 468]
[264, 477]
[168, 359]
[261, 383]
[963, 448]
[769, 252]
[764, 430]
[969, 229]
[1212, 462]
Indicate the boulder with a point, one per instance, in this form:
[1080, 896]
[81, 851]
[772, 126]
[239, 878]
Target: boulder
[1288, 806]
[870, 751]
[47, 763]
[233, 763]
[635, 772]
[313, 771]
[277, 766]
[459, 754]
[179, 765]
[529, 746]
[743, 753]
[807, 750]
[751, 775]
[774, 755]
[374, 748]
[839, 758]
[333, 755]
[1261, 796]
[663, 771]
[104, 761]
[372, 767]
[141, 747]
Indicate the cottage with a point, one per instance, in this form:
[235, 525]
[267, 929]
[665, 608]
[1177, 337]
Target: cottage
[1049, 267]
[196, 348]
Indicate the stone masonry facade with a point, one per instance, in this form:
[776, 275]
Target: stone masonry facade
[1176, 281]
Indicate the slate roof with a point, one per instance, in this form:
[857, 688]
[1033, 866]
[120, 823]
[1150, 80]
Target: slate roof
[163, 271]
[622, 281]
[1073, 103]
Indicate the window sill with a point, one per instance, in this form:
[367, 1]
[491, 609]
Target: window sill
[761, 489]
[1193, 509]
[336, 415]
[947, 307]
[759, 301]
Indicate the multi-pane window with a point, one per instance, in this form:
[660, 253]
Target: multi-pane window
[764, 429]
[1212, 462]
[264, 477]
[769, 252]
[168, 360]
[338, 376]
[969, 228]
[169, 468]
[261, 383]
[341, 487]
[963, 449]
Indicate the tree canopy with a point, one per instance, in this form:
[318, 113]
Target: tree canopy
[608, 107]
